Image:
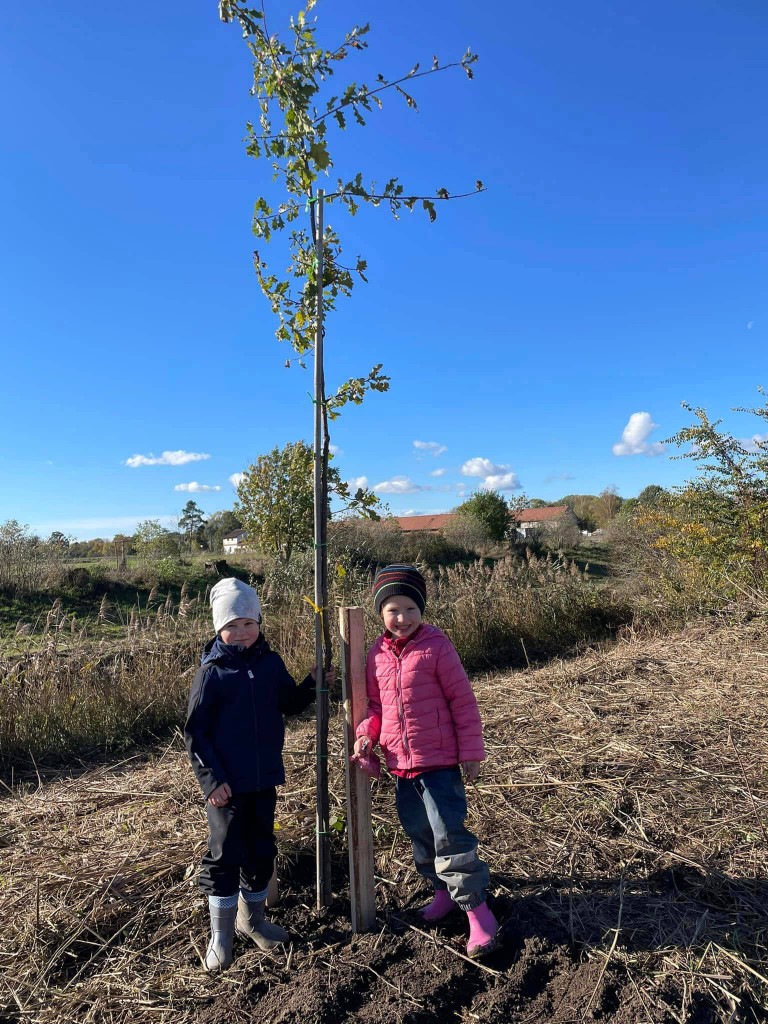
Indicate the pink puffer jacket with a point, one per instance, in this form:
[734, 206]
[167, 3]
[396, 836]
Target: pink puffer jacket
[421, 707]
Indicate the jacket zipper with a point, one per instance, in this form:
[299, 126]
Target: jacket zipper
[400, 707]
[255, 730]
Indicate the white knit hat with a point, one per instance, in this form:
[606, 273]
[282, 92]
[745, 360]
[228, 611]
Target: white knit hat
[233, 599]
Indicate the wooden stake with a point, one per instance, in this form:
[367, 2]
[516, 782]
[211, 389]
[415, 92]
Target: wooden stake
[359, 834]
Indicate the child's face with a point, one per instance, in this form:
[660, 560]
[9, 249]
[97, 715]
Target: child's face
[240, 631]
[401, 616]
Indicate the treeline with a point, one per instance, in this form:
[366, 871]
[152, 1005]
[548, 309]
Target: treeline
[596, 511]
[151, 539]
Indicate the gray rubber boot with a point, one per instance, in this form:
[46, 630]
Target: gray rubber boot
[251, 922]
[219, 953]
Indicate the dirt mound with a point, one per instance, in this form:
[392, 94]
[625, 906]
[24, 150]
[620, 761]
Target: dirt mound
[623, 811]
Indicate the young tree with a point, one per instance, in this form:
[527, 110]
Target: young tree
[292, 84]
[490, 510]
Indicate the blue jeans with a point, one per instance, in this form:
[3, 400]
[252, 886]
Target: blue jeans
[432, 808]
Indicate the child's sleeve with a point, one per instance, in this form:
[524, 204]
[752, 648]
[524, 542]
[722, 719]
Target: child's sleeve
[371, 724]
[202, 754]
[293, 699]
[462, 702]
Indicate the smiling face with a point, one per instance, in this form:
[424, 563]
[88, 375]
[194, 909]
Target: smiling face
[401, 616]
[240, 631]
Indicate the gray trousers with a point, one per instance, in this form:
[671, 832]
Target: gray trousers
[432, 808]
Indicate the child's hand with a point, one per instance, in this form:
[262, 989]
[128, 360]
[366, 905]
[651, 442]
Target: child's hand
[220, 796]
[329, 675]
[471, 769]
[362, 744]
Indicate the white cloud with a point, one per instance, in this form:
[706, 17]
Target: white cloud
[398, 485]
[430, 447]
[502, 482]
[750, 325]
[482, 467]
[495, 477]
[179, 458]
[558, 476]
[438, 472]
[236, 479]
[334, 449]
[196, 488]
[751, 443]
[634, 437]
[357, 481]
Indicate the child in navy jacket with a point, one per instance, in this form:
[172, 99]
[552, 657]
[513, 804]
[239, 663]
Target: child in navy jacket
[234, 735]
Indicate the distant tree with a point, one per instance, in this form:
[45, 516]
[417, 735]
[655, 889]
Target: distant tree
[59, 541]
[275, 499]
[628, 508]
[584, 508]
[153, 541]
[717, 523]
[490, 509]
[124, 542]
[651, 495]
[607, 506]
[218, 526]
[191, 522]
[537, 503]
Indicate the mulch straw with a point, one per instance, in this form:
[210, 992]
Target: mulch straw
[623, 810]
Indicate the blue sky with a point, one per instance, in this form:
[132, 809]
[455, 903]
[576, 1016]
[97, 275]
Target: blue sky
[538, 336]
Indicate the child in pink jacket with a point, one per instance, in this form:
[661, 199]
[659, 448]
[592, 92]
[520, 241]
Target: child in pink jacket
[422, 711]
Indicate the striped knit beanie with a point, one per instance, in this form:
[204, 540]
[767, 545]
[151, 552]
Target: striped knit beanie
[397, 581]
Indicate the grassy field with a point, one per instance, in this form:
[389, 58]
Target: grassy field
[622, 809]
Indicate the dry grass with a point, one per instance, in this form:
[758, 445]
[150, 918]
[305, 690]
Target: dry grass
[623, 811]
[78, 686]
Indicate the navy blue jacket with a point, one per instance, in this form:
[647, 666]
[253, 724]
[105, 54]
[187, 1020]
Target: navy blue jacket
[234, 730]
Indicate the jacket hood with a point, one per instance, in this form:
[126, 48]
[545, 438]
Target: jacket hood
[217, 651]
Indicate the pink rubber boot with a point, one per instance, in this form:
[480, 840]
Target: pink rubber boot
[440, 907]
[483, 931]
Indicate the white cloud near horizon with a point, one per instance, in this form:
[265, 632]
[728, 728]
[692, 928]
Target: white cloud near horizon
[495, 477]
[236, 479]
[398, 485]
[751, 443]
[481, 467]
[357, 481]
[634, 437]
[195, 488]
[430, 447]
[502, 482]
[558, 476]
[177, 458]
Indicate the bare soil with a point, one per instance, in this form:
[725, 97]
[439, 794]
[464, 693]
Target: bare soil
[623, 811]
